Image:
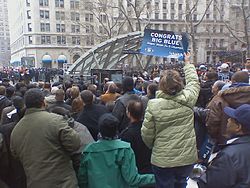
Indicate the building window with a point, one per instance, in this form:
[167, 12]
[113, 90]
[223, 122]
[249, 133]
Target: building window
[195, 17]
[207, 16]
[75, 28]
[179, 16]
[221, 43]
[42, 27]
[60, 28]
[75, 16]
[90, 18]
[90, 41]
[207, 42]
[29, 27]
[214, 29]
[61, 40]
[30, 39]
[157, 26]
[28, 14]
[221, 28]
[103, 18]
[45, 40]
[89, 28]
[156, 15]
[74, 4]
[27, 3]
[59, 3]
[172, 6]
[157, 6]
[180, 7]
[76, 40]
[45, 27]
[44, 2]
[44, 14]
[60, 15]
[164, 16]
[172, 16]
[164, 6]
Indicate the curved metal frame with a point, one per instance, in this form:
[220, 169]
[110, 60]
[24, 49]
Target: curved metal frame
[107, 54]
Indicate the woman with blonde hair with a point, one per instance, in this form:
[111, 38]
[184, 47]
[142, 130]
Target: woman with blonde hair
[168, 127]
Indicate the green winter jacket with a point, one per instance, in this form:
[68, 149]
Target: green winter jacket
[168, 126]
[110, 164]
[43, 141]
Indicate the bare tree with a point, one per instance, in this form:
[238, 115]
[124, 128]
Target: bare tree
[192, 23]
[114, 18]
[244, 19]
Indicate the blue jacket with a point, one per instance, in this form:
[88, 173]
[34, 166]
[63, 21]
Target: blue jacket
[230, 168]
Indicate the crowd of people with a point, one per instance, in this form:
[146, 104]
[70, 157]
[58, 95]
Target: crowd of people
[148, 131]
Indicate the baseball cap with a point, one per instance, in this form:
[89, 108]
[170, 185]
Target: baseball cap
[203, 67]
[224, 66]
[241, 114]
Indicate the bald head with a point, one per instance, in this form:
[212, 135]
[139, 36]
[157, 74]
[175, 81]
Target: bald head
[59, 95]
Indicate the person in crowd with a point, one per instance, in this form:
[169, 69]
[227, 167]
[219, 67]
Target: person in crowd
[93, 89]
[224, 74]
[151, 92]
[110, 94]
[42, 142]
[6, 82]
[77, 107]
[168, 127]
[217, 86]
[74, 93]
[247, 67]
[51, 99]
[59, 96]
[206, 89]
[12, 172]
[82, 131]
[132, 134]
[91, 113]
[9, 112]
[10, 91]
[66, 85]
[4, 101]
[46, 89]
[237, 93]
[231, 166]
[110, 106]
[121, 103]
[20, 89]
[110, 162]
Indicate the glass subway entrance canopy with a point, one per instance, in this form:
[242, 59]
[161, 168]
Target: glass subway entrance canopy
[110, 54]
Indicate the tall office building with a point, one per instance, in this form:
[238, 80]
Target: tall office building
[239, 26]
[4, 35]
[48, 33]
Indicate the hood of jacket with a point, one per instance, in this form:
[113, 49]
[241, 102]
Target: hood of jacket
[236, 96]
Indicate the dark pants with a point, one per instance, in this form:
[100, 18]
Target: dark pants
[175, 177]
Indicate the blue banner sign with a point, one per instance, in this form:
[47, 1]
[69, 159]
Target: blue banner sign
[164, 44]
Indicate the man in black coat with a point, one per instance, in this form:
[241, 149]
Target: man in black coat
[121, 103]
[132, 134]
[91, 113]
[231, 167]
[59, 96]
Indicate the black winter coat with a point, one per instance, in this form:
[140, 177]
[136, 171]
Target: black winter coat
[132, 134]
[119, 110]
[230, 168]
[90, 116]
